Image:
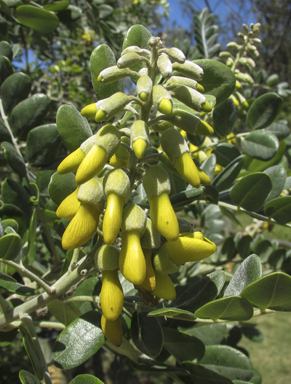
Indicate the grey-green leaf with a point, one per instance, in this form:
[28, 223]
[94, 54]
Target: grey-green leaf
[270, 291]
[18, 289]
[279, 209]
[28, 378]
[228, 362]
[28, 114]
[73, 128]
[251, 191]
[6, 68]
[37, 18]
[14, 159]
[225, 153]
[173, 313]
[226, 308]
[61, 186]
[249, 271]
[86, 379]
[264, 110]
[225, 178]
[42, 145]
[209, 334]
[79, 341]
[224, 117]
[278, 177]
[260, 145]
[15, 89]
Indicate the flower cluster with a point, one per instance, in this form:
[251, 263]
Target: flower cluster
[144, 242]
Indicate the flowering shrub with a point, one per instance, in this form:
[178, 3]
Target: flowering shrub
[144, 202]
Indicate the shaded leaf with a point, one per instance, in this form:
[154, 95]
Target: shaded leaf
[15, 89]
[14, 159]
[6, 338]
[202, 375]
[147, 334]
[264, 110]
[209, 334]
[57, 6]
[10, 246]
[28, 378]
[281, 131]
[225, 153]
[64, 312]
[17, 288]
[278, 177]
[224, 117]
[251, 191]
[228, 362]
[61, 186]
[28, 114]
[6, 68]
[225, 178]
[279, 209]
[36, 18]
[173, 313]
[6, 50]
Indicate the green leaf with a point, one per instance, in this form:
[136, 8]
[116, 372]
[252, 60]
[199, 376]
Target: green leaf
[186, 197]
[260, 165]
[15, 89]
[277, 258]
[264, 249]
[14, 159]
[227, 361]
[251, 191]
[202, 375]
[61, 186]
[227, 308]
[270, 291]
[15, 194]
[10, 246]
[147, 334]
[137, 35]
[251, 332]
[208, 166]
[209, 334]
[104, 11]
[225, 178]
[183, 346]
[249, 271]
[57, 6]
[228, 250]
[17, 288]
[86, 379]
[6, 68]
[6, 338]
[42, 145]
[281, 131]
[28, 114]
[154, 366]
[6, 50]
[101, 58]
[173, 313]
[201, 292]
[243, 246]
[36, 18]
[260, 145]
[264, 110]
[73, 128]
[224, 118]
[88, 287]
[31, 247]
[70, 14]
[279, 209]
[79, 341]
[9, 211]
[278, 177]
[4, 134]
[225, 153]
[218, 79]
[28, 378]
[64, 312]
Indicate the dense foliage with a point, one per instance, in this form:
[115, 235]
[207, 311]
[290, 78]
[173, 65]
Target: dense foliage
[137, 207]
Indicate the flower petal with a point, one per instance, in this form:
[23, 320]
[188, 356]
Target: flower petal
[69, 206]
[92, 164]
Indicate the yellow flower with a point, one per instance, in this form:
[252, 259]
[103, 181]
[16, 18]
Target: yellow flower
[82, 227]
[71, 162]
[187, 169]
[191, 247]
[69, 206]
[139, 147]
[165, 288]
[111, 296]
[92, 164]
[157, 186]
[112, 331]
[149, 283]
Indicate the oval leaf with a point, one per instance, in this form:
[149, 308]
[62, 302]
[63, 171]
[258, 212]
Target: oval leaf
[251, 191]
[224, 117]
[15, 88]
[28, 114]
[61, 186]
[73, 128]
[225, 153]
[278, 177]
[281, 131]
[270, 291]
[228, 362]
[6, 68]
[102, 57]
[5, 50]
[86, 379]
[202, 375]
[264, 110]
[249, 271]
[279, 209]
[147, 334]
[10, 246]
[209, 334]
[14, 159]
[36, 18]
[28, 378]
[42, 145]
[183, 346]
[17, 288]
[260, 145]
[79, 341]
[225, 178]
[218, 79]
[57, 6]
[226, 308]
